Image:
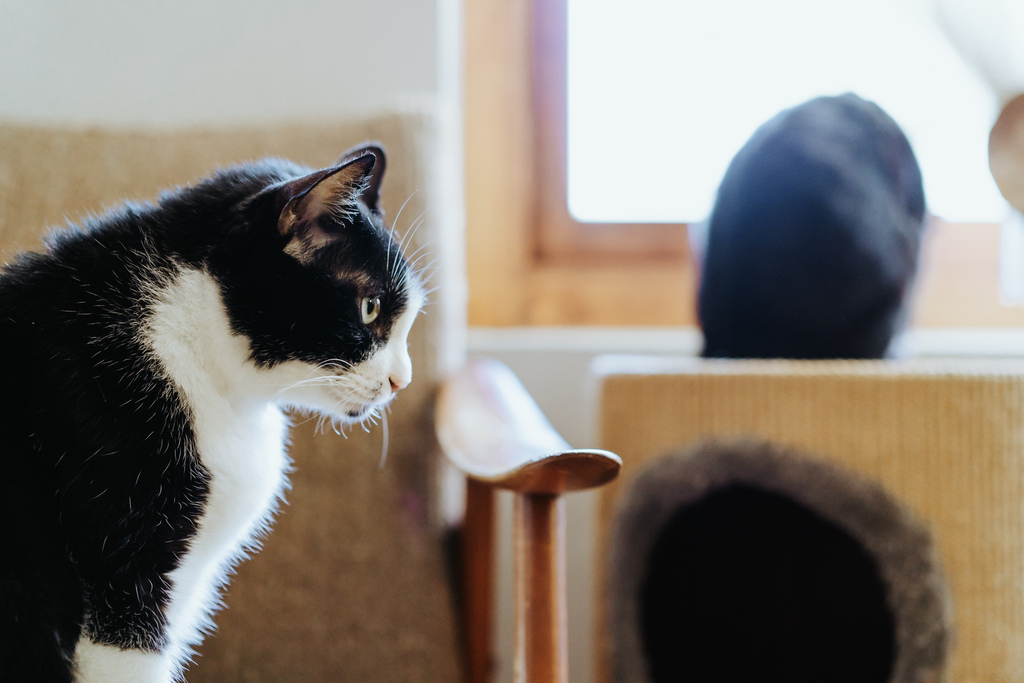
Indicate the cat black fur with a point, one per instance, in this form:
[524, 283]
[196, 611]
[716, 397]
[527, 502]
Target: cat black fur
[814, 237]
[102, 486]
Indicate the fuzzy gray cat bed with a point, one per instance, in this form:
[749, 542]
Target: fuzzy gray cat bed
[741, 561]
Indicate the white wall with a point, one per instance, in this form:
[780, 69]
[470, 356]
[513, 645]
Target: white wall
[190, 62]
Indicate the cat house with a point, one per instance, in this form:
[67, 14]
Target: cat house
[832, 520]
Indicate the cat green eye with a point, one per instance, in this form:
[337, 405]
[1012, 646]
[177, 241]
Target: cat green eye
[370, 308]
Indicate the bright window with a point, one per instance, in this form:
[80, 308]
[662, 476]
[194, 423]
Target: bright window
[662, 93]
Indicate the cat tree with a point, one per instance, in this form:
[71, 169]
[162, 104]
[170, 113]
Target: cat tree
[916, 468]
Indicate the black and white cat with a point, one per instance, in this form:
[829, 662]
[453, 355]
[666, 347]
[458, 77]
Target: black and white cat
[144, 362]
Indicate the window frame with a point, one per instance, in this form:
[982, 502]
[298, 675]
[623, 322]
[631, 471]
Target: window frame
[558, 235]
[528, 266]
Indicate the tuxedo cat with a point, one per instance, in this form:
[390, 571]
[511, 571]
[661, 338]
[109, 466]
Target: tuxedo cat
[144, 362]
[814, 237]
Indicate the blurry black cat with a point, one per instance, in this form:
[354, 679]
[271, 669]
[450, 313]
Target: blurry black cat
[814, 237]
[146, 358]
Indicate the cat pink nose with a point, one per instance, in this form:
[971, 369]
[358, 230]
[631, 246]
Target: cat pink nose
[397, 384]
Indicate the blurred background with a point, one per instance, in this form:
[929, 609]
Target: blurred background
[527, 91]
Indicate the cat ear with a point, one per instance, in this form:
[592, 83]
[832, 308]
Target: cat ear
[332, 192]
[371, 194]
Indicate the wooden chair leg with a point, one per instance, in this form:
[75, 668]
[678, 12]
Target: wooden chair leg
[492, 430]
[541, 654]
[478, 571]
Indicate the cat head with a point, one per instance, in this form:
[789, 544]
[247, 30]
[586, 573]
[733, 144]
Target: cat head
[319, 285]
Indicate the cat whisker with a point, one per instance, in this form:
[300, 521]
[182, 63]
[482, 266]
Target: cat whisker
[414, 271]
[319, 429]
[308, 418]
[428, 292]
[416, 257]
[399, 214]
[391, 233]
[397, 268]
[386, 436]
[301, 383]
[408, 237]
[404, 239]
[369, 419]
[351, 388]
[411, 232]
[334, 363]
[427, 272]
[410, 258]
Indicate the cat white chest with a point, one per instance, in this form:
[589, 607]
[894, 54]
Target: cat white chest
[240, 438]
[245, 457]
[244, 454]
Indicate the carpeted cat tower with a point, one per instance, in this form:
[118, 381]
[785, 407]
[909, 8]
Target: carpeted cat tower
[813, 521]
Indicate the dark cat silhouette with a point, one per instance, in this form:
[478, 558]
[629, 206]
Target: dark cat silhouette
[814, 237]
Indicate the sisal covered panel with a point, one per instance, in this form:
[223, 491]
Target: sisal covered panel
[945, 438]
[351, 585]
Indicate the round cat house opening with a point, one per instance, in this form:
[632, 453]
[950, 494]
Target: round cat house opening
[744, 562]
